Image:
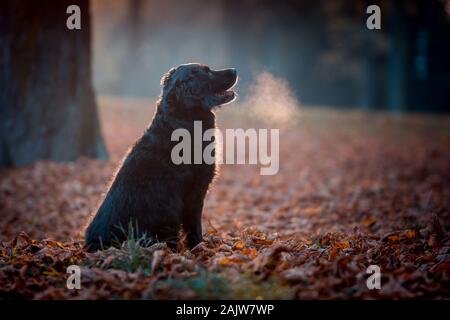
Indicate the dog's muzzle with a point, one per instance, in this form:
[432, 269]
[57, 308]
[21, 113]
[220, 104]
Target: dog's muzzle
[224, 80]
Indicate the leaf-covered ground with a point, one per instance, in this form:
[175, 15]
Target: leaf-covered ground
[353, 190]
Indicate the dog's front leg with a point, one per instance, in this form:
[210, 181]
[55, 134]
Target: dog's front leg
[192, 219]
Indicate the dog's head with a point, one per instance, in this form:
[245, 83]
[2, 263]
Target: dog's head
[196, 85]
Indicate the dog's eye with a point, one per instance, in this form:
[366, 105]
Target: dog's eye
[194, 71]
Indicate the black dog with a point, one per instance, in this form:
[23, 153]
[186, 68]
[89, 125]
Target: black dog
[150, 192]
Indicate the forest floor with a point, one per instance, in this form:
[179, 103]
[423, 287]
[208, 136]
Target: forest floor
[354, 189]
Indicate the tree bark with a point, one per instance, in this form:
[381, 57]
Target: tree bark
[47, 102]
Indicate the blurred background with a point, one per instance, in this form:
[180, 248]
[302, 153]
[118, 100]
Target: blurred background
[363, 152]
[288, 54]
[321, 48]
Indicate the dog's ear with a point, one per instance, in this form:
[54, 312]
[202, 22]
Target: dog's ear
[165, 79]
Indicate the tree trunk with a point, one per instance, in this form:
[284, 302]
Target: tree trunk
[47, 102]
[398, 62]
[130, 63]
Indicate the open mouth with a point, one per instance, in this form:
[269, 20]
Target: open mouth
[226, 96]
[225, 80]
[225, 93]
